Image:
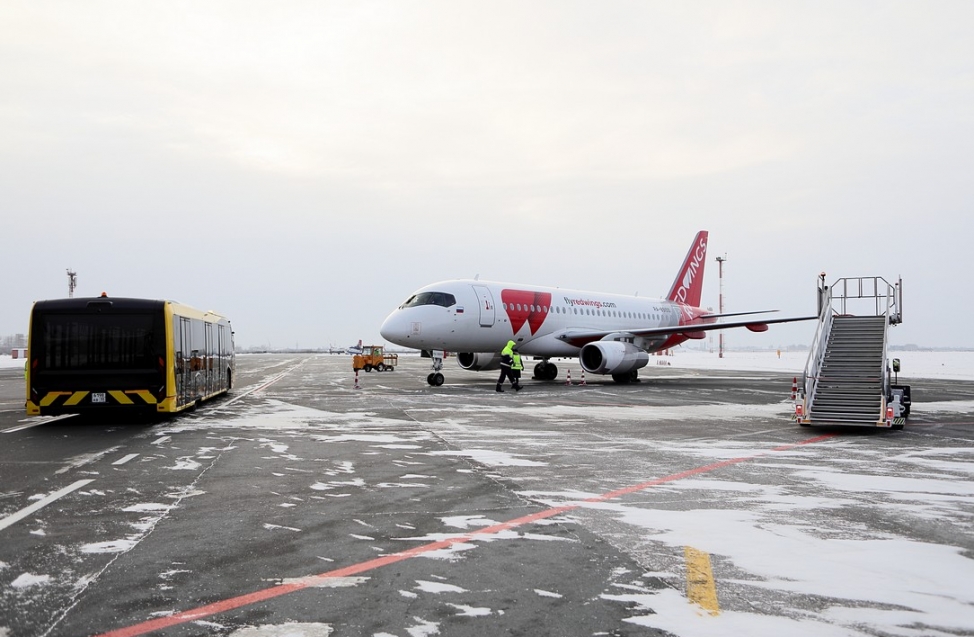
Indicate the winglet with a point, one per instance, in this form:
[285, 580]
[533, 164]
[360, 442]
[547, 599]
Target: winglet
[688, 286]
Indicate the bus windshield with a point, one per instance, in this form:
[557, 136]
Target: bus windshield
[104, 342]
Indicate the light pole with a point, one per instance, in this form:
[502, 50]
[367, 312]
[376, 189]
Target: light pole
[720, 276]
[72, 282]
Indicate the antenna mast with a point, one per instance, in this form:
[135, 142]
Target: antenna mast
[72, 282]
[720, 269]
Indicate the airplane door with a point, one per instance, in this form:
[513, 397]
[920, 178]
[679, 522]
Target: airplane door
[486, 301]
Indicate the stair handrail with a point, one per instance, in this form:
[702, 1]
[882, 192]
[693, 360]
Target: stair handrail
[886, 380]
[894, 316]
[817, 351]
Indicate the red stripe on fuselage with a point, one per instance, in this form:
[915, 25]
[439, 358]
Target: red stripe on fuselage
[523, 307]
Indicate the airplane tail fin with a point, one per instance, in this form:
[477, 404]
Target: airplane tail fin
[688, 286]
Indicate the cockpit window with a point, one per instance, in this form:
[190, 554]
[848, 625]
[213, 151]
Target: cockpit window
[430, 298]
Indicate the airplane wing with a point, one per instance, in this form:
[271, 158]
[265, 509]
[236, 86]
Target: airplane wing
[578, 338]
[716, 316]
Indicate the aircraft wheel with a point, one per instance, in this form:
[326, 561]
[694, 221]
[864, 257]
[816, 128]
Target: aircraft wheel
[622, 379]
[437, 379]
[429, 379]
[545, 371]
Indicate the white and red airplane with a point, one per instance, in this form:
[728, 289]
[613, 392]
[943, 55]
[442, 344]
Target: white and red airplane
[609, 333]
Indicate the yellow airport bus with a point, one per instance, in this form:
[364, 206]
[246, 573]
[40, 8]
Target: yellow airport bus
[88, 355]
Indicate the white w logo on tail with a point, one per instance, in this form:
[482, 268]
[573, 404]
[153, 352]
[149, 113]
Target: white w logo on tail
[688, 286]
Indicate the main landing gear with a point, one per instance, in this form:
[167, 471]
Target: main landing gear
[628, 377]
[545, 370]
[435, 379]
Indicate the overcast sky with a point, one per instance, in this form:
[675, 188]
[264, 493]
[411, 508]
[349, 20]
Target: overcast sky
[303, 167]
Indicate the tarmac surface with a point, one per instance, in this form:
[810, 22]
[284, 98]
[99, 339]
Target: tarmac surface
[687, 504]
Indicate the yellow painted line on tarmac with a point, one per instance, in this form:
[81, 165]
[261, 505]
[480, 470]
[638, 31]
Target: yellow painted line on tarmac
[701, 589]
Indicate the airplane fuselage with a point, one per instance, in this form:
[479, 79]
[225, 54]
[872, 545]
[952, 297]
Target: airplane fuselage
[481, 316]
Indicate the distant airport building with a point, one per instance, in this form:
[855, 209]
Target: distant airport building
[18, 352]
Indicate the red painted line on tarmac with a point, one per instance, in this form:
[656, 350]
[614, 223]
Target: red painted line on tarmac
[311, 581]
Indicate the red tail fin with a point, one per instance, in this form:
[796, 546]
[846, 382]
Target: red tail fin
[688, 285]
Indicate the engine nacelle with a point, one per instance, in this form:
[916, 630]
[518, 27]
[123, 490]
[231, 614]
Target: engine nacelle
[612, 357]
[479, 361]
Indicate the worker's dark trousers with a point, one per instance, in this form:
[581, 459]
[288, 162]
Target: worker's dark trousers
[505, 374]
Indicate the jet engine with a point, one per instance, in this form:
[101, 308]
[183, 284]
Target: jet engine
[612, 357]
[479, 361]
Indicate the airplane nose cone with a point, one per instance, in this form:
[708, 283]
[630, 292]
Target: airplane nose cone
[394, 328]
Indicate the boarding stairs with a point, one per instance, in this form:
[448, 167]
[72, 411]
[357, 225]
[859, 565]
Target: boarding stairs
[847, 380]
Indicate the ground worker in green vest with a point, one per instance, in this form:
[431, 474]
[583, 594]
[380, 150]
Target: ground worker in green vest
[507, 360]
[516, 368]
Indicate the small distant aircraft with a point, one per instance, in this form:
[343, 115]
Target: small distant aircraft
[356, 349]
[609, 333]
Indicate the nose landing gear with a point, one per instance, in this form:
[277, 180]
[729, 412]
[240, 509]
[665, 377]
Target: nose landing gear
[435, 378]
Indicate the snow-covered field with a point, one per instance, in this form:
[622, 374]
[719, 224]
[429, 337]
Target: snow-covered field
[7, 361]
[945, 365]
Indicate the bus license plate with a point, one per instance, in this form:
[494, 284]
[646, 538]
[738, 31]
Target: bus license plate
[98, 397]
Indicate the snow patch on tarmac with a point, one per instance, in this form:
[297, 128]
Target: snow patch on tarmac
[290, 629]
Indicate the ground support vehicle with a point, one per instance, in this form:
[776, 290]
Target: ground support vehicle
[373, 357]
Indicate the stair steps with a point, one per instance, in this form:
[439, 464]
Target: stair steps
[850, 379]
